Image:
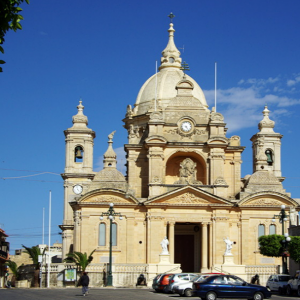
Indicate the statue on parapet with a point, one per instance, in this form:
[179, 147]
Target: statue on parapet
[164, 245]
[229, 244]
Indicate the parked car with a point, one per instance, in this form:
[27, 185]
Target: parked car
[186, 288]
[163, 282]
[155, 282]
[278, 281]
[179, 278]
[229, 286]
[293, 284]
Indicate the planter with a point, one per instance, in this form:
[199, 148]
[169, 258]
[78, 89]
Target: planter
[22, 284]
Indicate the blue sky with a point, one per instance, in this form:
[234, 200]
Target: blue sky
[102, 52]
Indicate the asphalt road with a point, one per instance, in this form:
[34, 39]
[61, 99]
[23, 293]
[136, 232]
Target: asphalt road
[99, 294]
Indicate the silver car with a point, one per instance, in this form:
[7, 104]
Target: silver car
[179, 278]
[277, 281]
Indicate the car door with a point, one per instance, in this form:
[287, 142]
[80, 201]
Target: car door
[239, 288]
[270, 282]
[223, 289]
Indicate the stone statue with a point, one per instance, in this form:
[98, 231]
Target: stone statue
[229, 244]
[188, 172]
[293, 216]
[110, 136]
[164, 245]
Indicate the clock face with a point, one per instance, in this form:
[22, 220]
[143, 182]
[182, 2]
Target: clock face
[186, 126]
[77, 189]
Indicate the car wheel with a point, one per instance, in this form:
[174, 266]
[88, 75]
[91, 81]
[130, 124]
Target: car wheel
[289, 291]
[188, 292]
[211, 296]
[258, 296]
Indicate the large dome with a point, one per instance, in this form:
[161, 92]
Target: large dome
[165, 87]
[162, 86]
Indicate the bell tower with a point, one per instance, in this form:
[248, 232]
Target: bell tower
[78, 170]
[267, 143]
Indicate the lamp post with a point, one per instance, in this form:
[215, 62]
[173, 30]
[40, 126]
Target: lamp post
[111, 214]
[283, 217]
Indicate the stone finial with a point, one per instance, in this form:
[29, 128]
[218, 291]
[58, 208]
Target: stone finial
[110, 156]
[80, 120]
[171, 55]
[266, 125]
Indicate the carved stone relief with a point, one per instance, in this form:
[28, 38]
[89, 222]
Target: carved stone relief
[188, 198]
[106, 199]
[220, 181]
[266, 202]
[188, 172]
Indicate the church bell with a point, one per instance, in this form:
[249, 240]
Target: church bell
[78, 153]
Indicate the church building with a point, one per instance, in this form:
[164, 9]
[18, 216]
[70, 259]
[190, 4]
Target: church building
[183, 182]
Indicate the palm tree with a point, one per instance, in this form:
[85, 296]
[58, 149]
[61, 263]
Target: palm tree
[34, 253]
[80, 259]
[14, 269]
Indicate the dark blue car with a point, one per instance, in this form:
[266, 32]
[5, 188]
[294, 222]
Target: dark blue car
[229, 286]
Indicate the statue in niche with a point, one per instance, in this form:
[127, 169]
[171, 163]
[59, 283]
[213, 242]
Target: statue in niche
[164, 245]
[229, 244]
[188, 172]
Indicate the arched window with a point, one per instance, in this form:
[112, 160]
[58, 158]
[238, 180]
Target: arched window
[114, 234]
[261, 230]
[102, 234]
[272, 229]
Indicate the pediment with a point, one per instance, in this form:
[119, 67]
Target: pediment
[188, 196]
[218, 141]
[104, 197]
[268, 199]
[156, 139]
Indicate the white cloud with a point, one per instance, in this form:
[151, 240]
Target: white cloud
[242, 106]
[291, 82]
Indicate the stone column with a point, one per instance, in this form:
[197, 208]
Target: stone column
[204, 248]
[77, 231]
[172, 241]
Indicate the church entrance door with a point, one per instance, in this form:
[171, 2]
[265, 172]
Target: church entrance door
[187, 246]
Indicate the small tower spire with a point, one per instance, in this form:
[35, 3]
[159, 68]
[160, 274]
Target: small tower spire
[110, 156]
[171, 55]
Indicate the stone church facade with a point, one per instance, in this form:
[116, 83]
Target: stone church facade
[183, 182]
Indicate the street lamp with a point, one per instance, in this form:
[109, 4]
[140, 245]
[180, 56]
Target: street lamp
[111, 214]
[283, 217]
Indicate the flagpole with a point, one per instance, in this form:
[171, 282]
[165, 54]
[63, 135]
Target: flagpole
[49, 242]
[215, 86]
[155, 86]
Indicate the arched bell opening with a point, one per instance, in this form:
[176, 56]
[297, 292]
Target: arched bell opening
[78, 154]
[186, 168]
[270, 157]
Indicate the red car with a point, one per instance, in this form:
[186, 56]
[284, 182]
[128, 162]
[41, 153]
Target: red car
[163, 282]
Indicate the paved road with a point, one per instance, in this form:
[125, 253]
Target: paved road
[99, 294]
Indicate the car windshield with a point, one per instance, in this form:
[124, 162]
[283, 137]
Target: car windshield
[284, 278]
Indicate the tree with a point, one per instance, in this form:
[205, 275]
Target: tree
[34, 253]
[14, 269]
[294, 248]
[271, 245]
[10, 19]
[80, 259]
